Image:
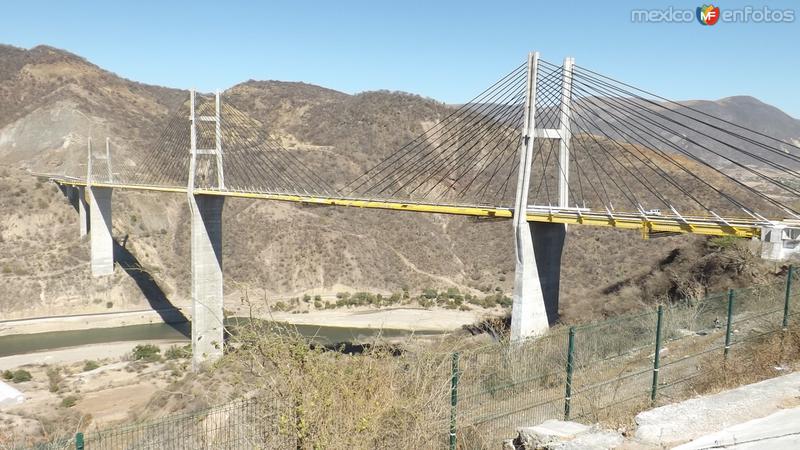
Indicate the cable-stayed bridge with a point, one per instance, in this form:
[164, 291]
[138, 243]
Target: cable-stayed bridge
[545, 146]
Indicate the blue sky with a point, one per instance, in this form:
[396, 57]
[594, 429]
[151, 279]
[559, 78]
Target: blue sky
[446, 50]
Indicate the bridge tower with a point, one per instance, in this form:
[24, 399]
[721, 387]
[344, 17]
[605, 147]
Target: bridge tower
[99, 222]
[206, 247]
[538, 246]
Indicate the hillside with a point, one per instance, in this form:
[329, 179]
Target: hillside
[50, 100]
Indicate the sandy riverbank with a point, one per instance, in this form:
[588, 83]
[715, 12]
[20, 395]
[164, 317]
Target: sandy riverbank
[90, 321]
[412, 319]
[408, 318]
[82, 353]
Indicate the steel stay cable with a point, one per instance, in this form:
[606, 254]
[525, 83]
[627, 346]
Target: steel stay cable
[290, 160]
[264, 151]
[147, 168]
[400, 151]
[690, 108]
[562, 172]
[495, 151]
[486, 109]
[773, 150]
[644, 158]
[732, 161]
[665, 156]
[595, 165]
[738, 149]
[473, 130]
[510, 140]
[667, 142]
[504, 186]
[542, 180]
[599, 178]
[495, 135]
[649, 186]
[249, 171]
[689, 154]
[406, 169]
[250, 151]
[403, 151]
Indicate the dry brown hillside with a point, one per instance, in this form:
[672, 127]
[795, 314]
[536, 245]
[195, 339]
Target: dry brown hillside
[50, 100]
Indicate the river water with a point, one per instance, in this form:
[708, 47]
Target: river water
[29, 343]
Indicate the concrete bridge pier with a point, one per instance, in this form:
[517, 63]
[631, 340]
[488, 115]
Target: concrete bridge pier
[83, 209]
[102, 244]
[528, 313]
[538, 246]
[77, 198]
[548, 246]
[207, 299]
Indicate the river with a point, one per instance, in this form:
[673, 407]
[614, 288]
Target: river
[29, 343]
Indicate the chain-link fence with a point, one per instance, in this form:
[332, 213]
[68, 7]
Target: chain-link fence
[587, 373]
[614, 368]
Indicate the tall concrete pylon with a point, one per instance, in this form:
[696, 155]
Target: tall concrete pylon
[538, 246]
[101, 240]
[206, 251]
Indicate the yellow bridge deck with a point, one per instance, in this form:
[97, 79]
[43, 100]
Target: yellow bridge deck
[646, 224]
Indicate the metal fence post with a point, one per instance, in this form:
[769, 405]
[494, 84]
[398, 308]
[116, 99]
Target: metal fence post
[79, 441]
[788, 297]
[657, 355]
[570, 366]
[454, 401]
[729, 326]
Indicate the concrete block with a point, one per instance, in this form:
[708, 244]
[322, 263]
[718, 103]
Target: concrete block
[778, 431]
[681, 422]
[563, 435]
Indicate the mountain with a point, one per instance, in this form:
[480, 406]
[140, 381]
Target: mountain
[754, 114]
[51, 100]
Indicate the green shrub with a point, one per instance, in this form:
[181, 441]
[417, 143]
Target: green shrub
[146, 352]
[178, 352]
[54, 378]
[21, 375]
[7, 374]
[722, 242]
[69, 401]
[90, 365]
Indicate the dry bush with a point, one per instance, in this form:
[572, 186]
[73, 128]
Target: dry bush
[762, 358]
[375, 399]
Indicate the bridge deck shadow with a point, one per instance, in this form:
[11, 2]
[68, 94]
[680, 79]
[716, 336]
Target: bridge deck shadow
[158, 300]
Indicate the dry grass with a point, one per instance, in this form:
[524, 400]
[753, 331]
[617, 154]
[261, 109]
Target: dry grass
[765, 357]
[379, 396]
